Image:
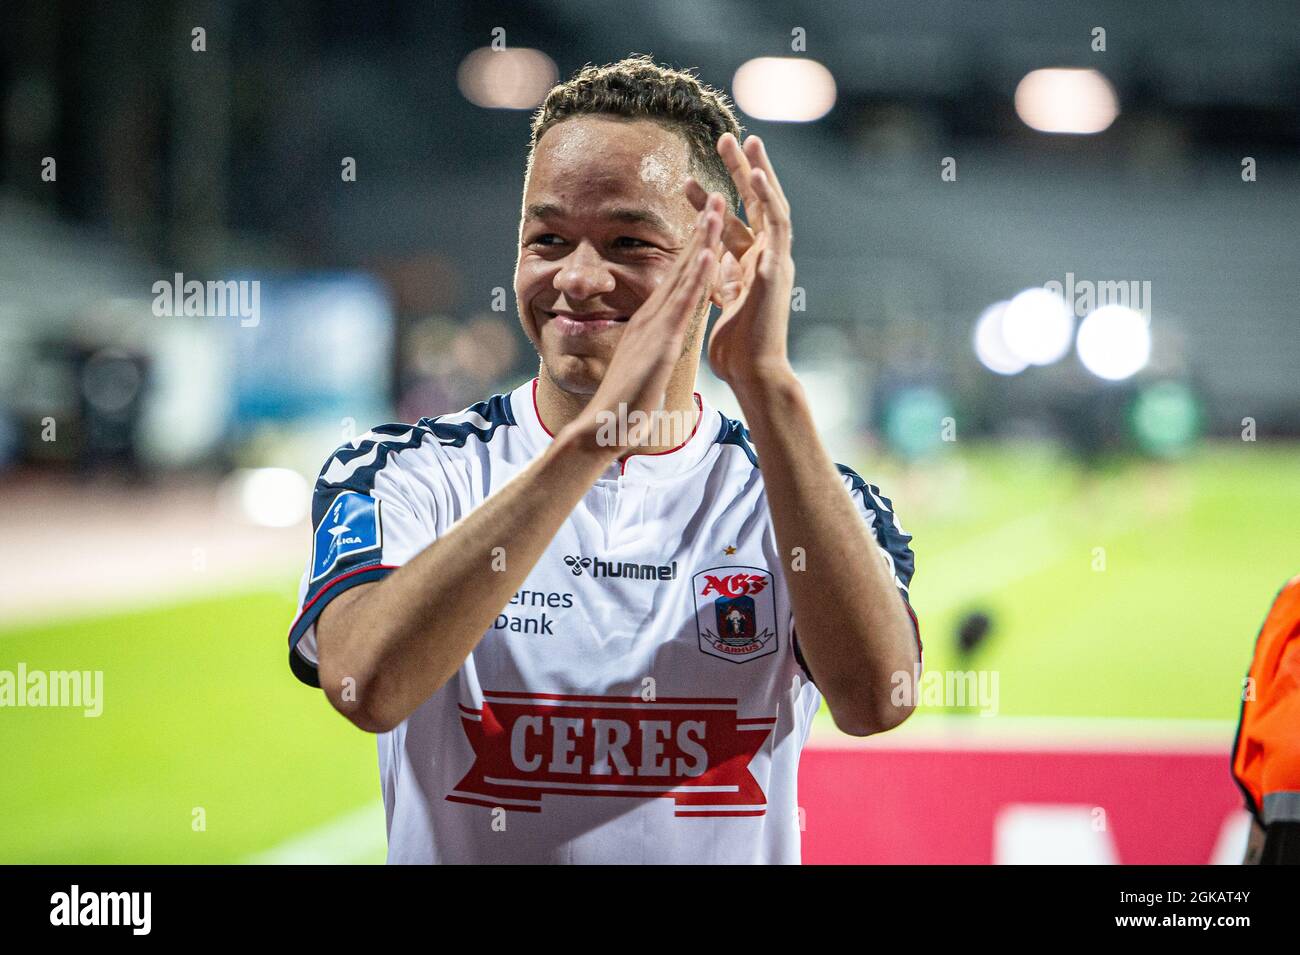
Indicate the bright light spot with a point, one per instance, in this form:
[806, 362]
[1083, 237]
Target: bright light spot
[1166, 419]
[510, 78]
[1037, 327]
[784, 89]
[1066, 101]
[1114, 342]
[990, 346]
[272, 497]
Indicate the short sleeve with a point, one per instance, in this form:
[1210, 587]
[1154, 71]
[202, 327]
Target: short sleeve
[366, 522]
[893, 546]
[895, 543]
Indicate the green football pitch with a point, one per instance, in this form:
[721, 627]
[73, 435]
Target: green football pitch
[1133, 592]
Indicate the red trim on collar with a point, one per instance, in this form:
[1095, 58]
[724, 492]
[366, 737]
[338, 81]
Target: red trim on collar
[538, 411]
[622, 466]
[699, 403]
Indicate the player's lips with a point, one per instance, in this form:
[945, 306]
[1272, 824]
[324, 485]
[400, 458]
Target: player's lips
[583, 323]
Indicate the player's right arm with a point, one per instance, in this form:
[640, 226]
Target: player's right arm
[391, 644]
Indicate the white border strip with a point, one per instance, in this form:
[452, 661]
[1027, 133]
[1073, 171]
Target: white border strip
[1037, 733]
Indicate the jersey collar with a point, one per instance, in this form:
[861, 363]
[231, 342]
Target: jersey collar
[663, 464]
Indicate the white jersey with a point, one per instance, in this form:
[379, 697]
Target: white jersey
[641, 699]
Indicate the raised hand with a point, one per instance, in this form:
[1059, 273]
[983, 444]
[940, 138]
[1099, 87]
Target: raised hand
[749, 339]
[652, 343]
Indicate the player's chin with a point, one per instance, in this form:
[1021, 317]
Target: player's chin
[578, 364]
[576, 374]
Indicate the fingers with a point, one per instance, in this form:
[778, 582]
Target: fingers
[737, 164]
[685, 280]
[731, 271]
[707, 236]
[756, 152]
[683, 261]
[768, 188]
[736, 236]
[696, 194]
[777, 217]
[731, 281]
[707, 233]
[697, 261]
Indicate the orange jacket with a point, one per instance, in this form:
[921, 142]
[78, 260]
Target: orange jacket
[1266, 754]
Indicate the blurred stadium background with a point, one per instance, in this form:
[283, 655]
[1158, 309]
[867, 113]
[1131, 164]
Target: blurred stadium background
[1103, 508]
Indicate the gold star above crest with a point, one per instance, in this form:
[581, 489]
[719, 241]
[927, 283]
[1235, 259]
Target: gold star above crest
[728, 551]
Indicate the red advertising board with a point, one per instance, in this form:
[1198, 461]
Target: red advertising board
[929, 805]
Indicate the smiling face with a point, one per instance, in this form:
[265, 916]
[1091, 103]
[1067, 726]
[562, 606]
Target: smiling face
[604, 217]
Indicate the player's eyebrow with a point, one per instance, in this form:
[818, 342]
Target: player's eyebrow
[632, 216]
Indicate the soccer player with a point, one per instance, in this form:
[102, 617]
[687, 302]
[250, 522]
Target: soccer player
[1266, 755]
[580, 639]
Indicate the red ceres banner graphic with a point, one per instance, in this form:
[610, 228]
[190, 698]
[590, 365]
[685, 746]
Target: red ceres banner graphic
[694, 751]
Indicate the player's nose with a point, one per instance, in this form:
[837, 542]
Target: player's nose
[584, 274]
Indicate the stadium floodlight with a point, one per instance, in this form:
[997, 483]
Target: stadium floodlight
[272, 497]
[990, 345]
[509, 78]
[784, 89]
[1114, 342]
[1073, 101]
[1038, 327]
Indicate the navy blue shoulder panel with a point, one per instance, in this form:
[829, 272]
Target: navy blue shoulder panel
[355, 467]
[496, 411]
[888, 534]
[733, 432]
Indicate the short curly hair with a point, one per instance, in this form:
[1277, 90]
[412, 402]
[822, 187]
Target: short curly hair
[638, 88]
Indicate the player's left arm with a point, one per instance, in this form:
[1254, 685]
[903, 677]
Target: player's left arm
[855, 631]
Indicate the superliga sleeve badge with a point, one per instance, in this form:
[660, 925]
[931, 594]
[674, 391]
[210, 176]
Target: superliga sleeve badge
[351, 526]
[735, 612]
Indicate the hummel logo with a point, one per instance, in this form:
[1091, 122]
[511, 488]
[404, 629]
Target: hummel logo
[603, 568]
[577, 563]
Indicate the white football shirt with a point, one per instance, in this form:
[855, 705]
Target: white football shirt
[641, 699]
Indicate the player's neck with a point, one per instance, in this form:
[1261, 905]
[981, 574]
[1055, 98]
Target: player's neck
[557, 408]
